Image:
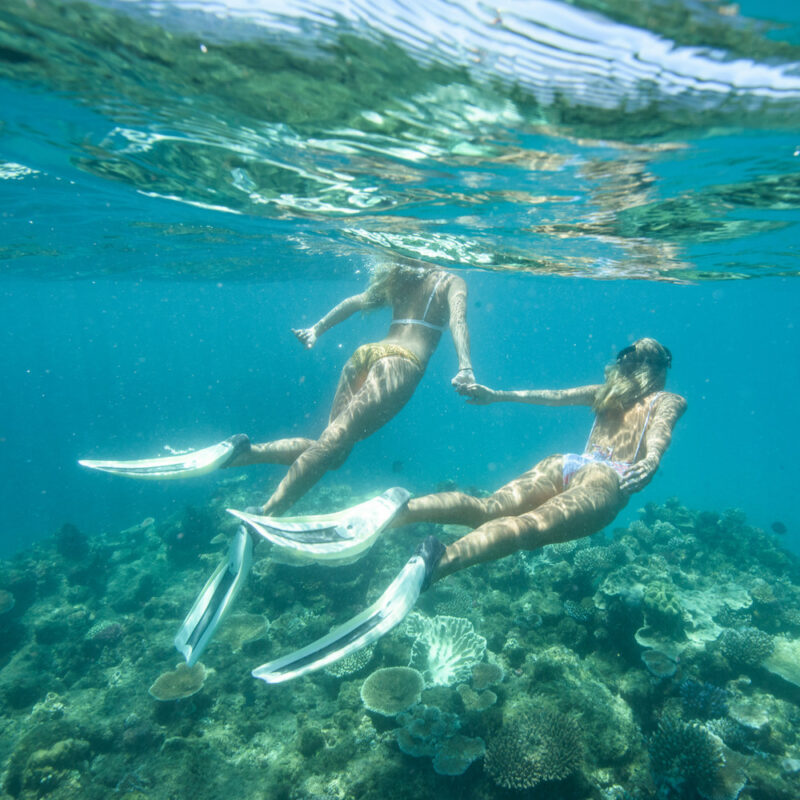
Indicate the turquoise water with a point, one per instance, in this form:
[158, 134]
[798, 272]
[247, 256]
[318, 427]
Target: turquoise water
[181, 183]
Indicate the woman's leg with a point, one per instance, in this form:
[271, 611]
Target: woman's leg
[287, 451]
[388, 386]
[281, 451]
[525, 493]
[591, 502]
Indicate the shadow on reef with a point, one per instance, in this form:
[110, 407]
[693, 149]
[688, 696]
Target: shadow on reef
[654, 663]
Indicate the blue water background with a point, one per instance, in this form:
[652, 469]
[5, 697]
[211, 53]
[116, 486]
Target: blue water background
[119, 369]
[98, 367]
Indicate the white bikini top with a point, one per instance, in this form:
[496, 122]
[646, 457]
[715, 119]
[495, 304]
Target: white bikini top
[424, 321]
[641, 435]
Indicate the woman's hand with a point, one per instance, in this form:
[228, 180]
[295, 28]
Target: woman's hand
[639, 475]
[306, 335]
[464, 377]
[478, 395]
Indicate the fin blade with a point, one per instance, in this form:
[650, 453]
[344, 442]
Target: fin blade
[215, 599]
[194, 463]
[363, 629]
[330, 538]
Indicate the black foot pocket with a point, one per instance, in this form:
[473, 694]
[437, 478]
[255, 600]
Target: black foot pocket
[240, 443]
[431, 551]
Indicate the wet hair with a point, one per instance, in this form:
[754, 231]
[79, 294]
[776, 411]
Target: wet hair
[646, 350]
[638, 370]
[391, 277]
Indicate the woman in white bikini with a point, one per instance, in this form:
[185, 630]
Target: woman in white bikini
[564, 496]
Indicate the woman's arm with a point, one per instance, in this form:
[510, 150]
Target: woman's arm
[339, 313]
[657, 437]
[457, 304]
[579, 396]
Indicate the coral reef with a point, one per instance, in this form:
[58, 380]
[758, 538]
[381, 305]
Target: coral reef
[674, 658]
[427, 731]
[445, 648]
[179, 683]
[486, 674]
[541, 746]
[703, 700]
[684, 757]
[659, 664]
[391, 690]
[457, 753]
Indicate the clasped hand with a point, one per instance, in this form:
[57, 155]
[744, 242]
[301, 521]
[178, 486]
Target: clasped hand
[639, 475]
[464, 378]
[306, 335]
[476, 393]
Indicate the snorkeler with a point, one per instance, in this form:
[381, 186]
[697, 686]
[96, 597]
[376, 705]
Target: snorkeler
[569, 496]
[563, 497]
[375, 383]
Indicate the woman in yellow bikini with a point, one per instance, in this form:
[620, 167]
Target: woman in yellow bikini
[377, 380]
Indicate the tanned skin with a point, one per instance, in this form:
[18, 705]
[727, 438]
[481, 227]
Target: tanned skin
[364, 403]
[536, 509]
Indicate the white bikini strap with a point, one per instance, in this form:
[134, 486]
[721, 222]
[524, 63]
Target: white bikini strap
[644, 427]
[430, 299]
[641, 435]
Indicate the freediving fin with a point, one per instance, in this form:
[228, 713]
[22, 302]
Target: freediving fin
[185, 465]
[331, 539]
[216, 598]
[384, 614]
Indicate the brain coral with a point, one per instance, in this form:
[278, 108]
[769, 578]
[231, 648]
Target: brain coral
[181, 682]
[486, 674]
[391, 690]
[541, 746]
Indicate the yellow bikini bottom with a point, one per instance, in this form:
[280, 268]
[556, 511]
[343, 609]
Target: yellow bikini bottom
[366, 356]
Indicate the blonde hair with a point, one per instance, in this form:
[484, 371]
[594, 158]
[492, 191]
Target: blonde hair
[389, 278]
[638, 371]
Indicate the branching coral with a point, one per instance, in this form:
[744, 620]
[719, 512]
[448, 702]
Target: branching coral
[684, 759]
[748, 646]
[703, 700]
[531, 749]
